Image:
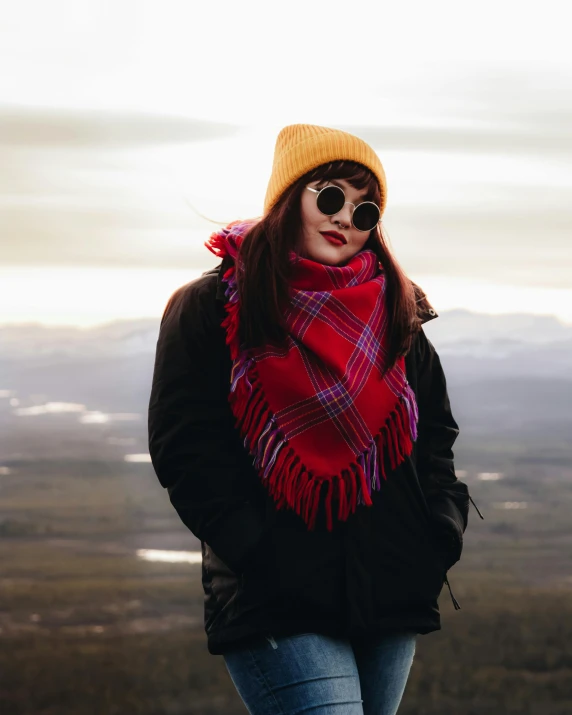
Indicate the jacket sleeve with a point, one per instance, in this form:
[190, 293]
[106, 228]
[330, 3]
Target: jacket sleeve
[195, 449]
[447, 496]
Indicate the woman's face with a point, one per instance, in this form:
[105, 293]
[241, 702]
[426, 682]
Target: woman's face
[319, 231]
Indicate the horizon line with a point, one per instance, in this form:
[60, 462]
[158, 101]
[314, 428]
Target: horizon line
[157, 318]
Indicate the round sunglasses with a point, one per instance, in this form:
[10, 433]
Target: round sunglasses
[331, 199]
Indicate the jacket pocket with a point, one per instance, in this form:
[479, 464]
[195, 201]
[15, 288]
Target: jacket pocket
[223, 581]
[447, 545]
[256, 575]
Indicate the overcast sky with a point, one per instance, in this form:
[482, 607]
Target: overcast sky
[122, 123]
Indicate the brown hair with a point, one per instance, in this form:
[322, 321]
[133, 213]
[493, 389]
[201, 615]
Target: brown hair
[263, 282]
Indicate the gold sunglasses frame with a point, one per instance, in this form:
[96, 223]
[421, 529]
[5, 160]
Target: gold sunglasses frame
[329, 186]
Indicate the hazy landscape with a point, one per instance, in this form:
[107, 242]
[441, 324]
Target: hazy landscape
[131, 130]
[89, 625]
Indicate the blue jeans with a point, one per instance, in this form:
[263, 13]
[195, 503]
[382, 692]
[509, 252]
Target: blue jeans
[319, 675]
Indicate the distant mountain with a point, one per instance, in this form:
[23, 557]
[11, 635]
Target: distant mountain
[456, 327]
[455, 331]
[475, 347]
[120, 337]
[509, 374]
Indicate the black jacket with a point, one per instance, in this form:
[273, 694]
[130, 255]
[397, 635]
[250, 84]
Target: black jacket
[263, 571]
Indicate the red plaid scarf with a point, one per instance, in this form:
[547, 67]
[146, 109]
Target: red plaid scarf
[320, 423]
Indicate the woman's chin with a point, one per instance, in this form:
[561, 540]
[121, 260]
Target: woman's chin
[327, 258]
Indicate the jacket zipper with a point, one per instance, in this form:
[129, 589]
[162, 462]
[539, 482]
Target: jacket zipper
[455, 602]
[476, 507]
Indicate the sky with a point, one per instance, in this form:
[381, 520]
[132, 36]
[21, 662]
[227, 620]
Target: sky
[129, 129]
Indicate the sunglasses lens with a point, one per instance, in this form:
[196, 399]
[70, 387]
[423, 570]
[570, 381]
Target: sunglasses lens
[366, 216]
[331, 200]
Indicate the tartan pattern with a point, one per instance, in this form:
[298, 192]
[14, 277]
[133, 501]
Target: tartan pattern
[334, 395]
[317, 410]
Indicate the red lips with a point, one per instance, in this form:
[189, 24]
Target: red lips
[337, 237]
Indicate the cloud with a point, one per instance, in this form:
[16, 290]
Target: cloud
[501, 112]
[465, 202]
[69, 128]
[533, 138]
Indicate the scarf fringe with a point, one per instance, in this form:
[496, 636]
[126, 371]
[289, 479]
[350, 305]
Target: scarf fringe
[288, 481]
[217, 241]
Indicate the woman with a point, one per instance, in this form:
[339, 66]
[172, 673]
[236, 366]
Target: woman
[300, 421]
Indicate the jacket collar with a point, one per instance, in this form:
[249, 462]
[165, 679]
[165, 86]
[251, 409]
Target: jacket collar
[425, 310]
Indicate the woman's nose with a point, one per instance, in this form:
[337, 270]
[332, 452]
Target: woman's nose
[344, 215]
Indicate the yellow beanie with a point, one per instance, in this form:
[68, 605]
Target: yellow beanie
[302, 147]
